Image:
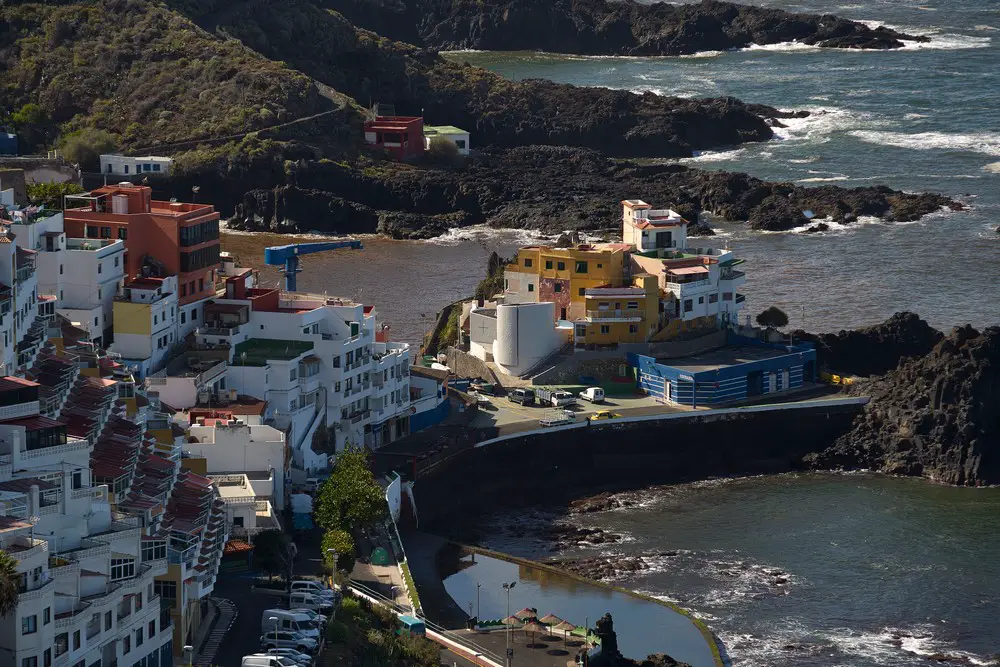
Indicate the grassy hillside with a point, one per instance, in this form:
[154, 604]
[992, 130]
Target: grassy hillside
[141, 71]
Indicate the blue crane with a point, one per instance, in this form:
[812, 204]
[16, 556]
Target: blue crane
[289, 256]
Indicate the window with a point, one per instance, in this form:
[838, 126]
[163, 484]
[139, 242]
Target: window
[105, 234]
[632, 305]
[154, 550]
[292, 375]
[165, 589]
[126, 644]
[527, 263]
[96, 322]
[47, 659]
[92, 232]
[688, 305]
[701, 299]
[633, 328]
[336, 361]
[200, 259]
[77, 479]
[76, 640]
[201, 284]
[116, 261]
[531, 287]
[107, 619]
[183, 317]
[600, 266]
[713, 298]
[138, 601]
[126, 169]
[582, 291]
[99, 292]
[62, 643]
[727, 296]
[184, 289]
[47, 616]
[100, 268]
[155, 318]
[60, 269]
[548, 264]
[581, 267]
[194, 315]
[123, 233]
[605, 329]
[30, 662]
[557, 288]
[560, 266]
[147, 167]
[29, 624]
[139, 636]
[152, 629]
[122, 568]
[156, 167]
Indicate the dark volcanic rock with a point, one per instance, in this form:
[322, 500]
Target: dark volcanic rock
[937, 416]
[876, 349]
[602, 502]
[603, 27]
[553, 189]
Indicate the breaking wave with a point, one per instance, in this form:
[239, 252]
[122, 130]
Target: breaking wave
[987, 143]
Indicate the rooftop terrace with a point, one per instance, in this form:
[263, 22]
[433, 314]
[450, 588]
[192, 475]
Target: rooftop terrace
[258, 351]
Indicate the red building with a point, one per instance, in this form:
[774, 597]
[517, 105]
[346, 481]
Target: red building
[183, 238]
[402, 136]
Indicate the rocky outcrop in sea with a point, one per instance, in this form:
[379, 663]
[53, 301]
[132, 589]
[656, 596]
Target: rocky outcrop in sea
[548, 188]
[603, 27]
[935, 416]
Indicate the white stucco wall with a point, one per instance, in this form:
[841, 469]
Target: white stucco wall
[525, 336]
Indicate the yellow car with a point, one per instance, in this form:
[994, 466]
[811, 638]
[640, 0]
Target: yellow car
[604, 414]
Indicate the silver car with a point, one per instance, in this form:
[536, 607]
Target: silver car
[291, 654]
[287, 639]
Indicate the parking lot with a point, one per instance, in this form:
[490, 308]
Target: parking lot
[510, 417]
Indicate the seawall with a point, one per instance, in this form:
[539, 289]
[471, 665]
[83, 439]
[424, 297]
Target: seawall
[560, 465]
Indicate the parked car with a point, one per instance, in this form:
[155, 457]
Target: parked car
[286, 639]
[593, 394]
[321, 603]
[522, 396]
[556, 398]
[567, 417]
[318, 619]
[304, 585]
[604, 414]
[291, 654]
[265, 660]
[290, 621]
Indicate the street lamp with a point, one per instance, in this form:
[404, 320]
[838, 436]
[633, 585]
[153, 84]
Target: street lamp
[478, 586]
[507, 587]
[275, 619]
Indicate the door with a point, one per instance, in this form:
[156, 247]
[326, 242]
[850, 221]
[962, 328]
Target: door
[772, 382]
[785, 379]
[666, 390]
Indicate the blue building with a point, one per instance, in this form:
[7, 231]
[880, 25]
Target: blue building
[744, 369]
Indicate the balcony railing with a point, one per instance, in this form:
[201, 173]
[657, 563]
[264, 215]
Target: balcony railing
[631, 315]
[18, 410]
[685, 287]
[731, 274]
[219, 331]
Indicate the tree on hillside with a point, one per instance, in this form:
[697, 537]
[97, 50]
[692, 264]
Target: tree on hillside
[9, 582]
[350, 498]
[772, 317]
[443, 151]
[86, 146]
[51, 194]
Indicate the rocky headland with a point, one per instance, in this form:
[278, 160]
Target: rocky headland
[602, 27]
[549, 188]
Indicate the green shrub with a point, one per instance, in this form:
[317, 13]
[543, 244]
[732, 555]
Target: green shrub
[85, 147]
[336, 632]
[443, 151]
[51, 194]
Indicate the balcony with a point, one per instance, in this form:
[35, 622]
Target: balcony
[219, 331]
[682, 289]
[72, 445]
[44, 586]
[740, 298]
[309, 384]
[732, 274]
[19, 410]
[614, 315]
[25, 548]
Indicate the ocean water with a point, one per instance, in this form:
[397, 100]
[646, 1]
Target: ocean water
[925, 118]
[814, 570]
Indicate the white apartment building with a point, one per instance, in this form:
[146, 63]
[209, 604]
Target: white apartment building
[311, 358]
[83, 274]
[87, 571]
[126, 165]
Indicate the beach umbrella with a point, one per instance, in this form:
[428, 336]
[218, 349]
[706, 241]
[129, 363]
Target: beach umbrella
[512, 620]
[564, 627]
[527, 613]
[534, 627]
[550, 619]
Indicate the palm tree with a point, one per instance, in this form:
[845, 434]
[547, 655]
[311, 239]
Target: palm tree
[9, 583]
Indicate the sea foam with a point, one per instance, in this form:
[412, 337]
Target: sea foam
[987, 143]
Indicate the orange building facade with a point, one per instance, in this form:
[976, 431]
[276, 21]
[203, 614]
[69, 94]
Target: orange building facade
[182, 237]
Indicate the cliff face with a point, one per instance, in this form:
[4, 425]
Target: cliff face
[602, 27]
[937, 416]
[556, 189]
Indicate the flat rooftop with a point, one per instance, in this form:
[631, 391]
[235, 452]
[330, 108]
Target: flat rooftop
[724, 357]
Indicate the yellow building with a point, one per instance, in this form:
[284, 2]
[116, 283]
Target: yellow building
[563, 275]
[615, 315]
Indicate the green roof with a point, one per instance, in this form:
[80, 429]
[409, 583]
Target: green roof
[261, 350]
[443, 129]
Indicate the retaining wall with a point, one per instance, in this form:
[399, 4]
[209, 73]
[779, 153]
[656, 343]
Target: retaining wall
[561, 464]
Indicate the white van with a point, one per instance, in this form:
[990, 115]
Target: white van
[311, 586]
[593, 394]
[320, 603]
[268, 661]
[288, 621]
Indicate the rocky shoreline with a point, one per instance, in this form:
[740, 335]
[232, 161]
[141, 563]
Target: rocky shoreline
[601, 27]
[548, 188]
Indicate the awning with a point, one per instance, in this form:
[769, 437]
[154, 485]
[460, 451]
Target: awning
[691, 270]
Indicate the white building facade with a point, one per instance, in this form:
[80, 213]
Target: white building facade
[125, 165]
